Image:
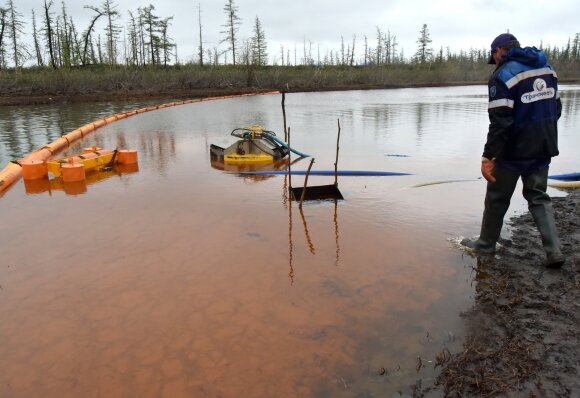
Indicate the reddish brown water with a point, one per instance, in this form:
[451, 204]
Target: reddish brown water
[181, 280]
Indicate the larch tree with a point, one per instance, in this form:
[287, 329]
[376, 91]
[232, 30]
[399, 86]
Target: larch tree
[99, 55]
[282, 54]
[48, 33]
[393, 46]
[87, 35]
[200, 46]
[351, 61]
[3, 24]
[232, 26]
[151, 27]
[64, 39]
[37, 51]
[390, 44]
[166, 44]
[258, 44]
[366, 47]
[133, 56]
[424, 52]
[379, 49]
[575, 54]
[15, 30]
[75, 43]
[566, 51]
[141, 34]
[113, 30]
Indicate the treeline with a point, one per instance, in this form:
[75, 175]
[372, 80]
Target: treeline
[56, 42]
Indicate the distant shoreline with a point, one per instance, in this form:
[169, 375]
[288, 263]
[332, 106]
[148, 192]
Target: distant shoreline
[182, 94]
[193, 84]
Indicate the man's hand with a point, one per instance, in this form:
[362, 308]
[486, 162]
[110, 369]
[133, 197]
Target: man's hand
[487, 170]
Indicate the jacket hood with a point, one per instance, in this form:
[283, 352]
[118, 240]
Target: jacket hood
[528, 55]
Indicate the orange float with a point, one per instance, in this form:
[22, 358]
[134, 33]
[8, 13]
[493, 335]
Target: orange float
[72, 172]
[127, 156]
[9, 175]
[74, 135]
[94, 148]
[33, 169]
[40, 154]
[99, 123]
[57, 146]
[13, 171]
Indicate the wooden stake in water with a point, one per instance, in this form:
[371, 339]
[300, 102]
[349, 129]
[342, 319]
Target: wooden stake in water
[289, 167]
[284, 116]
[336, 162]
[306, 182]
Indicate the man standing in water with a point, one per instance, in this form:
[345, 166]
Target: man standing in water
[524, 108]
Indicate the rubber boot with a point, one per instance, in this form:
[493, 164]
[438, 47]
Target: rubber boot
[479, 245]
[544, 218]
[491, 225]
[497, 202]
[490, 231]
[540, 206]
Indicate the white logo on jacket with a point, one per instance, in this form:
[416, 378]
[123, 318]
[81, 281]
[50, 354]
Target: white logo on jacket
[541, 92]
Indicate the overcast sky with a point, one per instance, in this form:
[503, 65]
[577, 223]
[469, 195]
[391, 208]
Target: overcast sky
[461, 24]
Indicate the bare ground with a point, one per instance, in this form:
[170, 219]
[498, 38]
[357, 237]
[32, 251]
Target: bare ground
[37, 98]
[524, 328]
[118, 96]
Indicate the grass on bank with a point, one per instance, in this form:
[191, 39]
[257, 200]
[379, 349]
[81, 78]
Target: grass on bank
[148, 79]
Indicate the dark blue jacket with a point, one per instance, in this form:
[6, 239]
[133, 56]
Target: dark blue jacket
[524, 108]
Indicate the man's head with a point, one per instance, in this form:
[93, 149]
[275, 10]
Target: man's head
[501, 45]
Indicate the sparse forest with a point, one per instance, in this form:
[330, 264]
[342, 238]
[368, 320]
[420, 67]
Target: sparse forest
[141, 57]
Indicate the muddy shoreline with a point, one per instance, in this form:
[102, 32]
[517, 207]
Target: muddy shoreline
[523, 329]
[174, 94]
[118, 96]
[14, 99]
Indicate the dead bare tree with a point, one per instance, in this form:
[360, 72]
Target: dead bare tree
[88, 33]
[48, 32]
[200, 47]
[232, 26]
[352, 50]
[39, 60]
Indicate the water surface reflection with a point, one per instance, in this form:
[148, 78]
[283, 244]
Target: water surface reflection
[185, 280]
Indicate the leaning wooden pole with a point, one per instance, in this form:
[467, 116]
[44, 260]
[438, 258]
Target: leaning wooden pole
[306, 182]
[284, 116]
[289, 168]
[336, 162]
